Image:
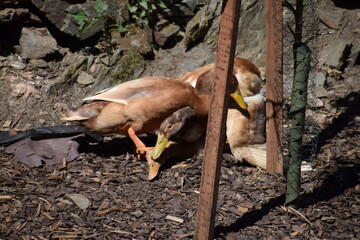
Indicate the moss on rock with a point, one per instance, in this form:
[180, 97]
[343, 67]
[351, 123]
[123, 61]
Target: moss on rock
[128, 67]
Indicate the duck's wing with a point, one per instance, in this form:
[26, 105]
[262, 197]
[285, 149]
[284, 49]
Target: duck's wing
[257, 121]
[122, 93]
[192, 76]
[255, 102]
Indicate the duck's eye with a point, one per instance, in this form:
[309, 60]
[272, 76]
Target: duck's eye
[168, 127]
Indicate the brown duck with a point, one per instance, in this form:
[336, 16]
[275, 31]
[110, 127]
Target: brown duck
[140, 106]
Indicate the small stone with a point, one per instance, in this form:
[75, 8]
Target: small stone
[320, 79]
[167, 35]
[330, 81]
[321, 92]
[40, 63]
[105, 60]
[331, 17]
[85, 79]
[330, 107]
[42, 121]
[104, 204]
[328, 219]
[7, 124]
[115, 57]
[243, 209]
[138, 213]
[139, 40]
[18, 65]
[80, 200]
[355, 57]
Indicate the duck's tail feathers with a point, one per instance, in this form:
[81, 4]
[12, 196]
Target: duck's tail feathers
[73, 116]
[255, 155]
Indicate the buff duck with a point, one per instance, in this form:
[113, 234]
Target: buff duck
[244, 128]
[182, 135]
[140, 106]
[246, 72]
[246, 134]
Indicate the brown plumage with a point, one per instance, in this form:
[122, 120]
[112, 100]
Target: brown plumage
[243, 131]
[247, 74]
[243, 127]
[137, 106]
[140, 106]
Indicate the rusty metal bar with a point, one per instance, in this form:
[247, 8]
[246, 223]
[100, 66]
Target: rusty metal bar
[215, 135]
[274, 85]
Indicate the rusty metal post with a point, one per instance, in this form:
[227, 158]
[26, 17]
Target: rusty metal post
[274, 85]
[215, 135]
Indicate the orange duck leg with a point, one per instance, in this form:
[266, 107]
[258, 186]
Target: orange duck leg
[140, 146]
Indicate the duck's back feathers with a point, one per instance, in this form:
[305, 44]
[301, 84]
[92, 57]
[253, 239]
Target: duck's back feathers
[247, 74]
[141, 104]
[143, 87]
[192, 76]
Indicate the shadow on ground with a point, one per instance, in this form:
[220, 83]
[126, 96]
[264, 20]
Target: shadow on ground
[346, 175]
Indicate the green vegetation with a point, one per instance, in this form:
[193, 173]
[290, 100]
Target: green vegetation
[143, 12]
[84, 20]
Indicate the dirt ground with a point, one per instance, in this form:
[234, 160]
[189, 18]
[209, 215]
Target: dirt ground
[123, 205]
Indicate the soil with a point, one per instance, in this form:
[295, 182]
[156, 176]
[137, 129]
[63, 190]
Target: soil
[123, 205]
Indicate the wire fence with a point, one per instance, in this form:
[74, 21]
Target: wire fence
[296, 25]
[307, 30]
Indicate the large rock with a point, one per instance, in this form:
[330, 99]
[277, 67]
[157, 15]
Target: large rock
[137, 39]
[320, 79]
[331, 16]
[9, 15]
[251, 34]
[335, 54]
[12, 3]
[130, 66]
[167, 35]
[198, 26]
[56, 11]
[36, 43]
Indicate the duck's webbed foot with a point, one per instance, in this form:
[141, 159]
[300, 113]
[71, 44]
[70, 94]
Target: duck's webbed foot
[140, 146]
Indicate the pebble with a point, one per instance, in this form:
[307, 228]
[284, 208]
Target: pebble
[80, 200]
[7, 124]
[18, 65]
[85, 78]
[40, 63]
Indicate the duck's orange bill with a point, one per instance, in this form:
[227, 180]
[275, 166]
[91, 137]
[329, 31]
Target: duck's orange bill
[160, 146]
[239, 99]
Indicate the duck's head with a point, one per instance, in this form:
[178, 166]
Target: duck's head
[172, 128]
[205, 82]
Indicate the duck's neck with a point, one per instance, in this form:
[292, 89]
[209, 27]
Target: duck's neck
[202, 104]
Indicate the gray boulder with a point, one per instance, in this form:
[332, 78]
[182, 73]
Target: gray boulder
[335, 54]
[36, 43]
[57, 12]
[9, 15]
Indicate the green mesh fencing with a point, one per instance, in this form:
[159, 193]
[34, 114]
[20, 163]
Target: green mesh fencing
[299, 122]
